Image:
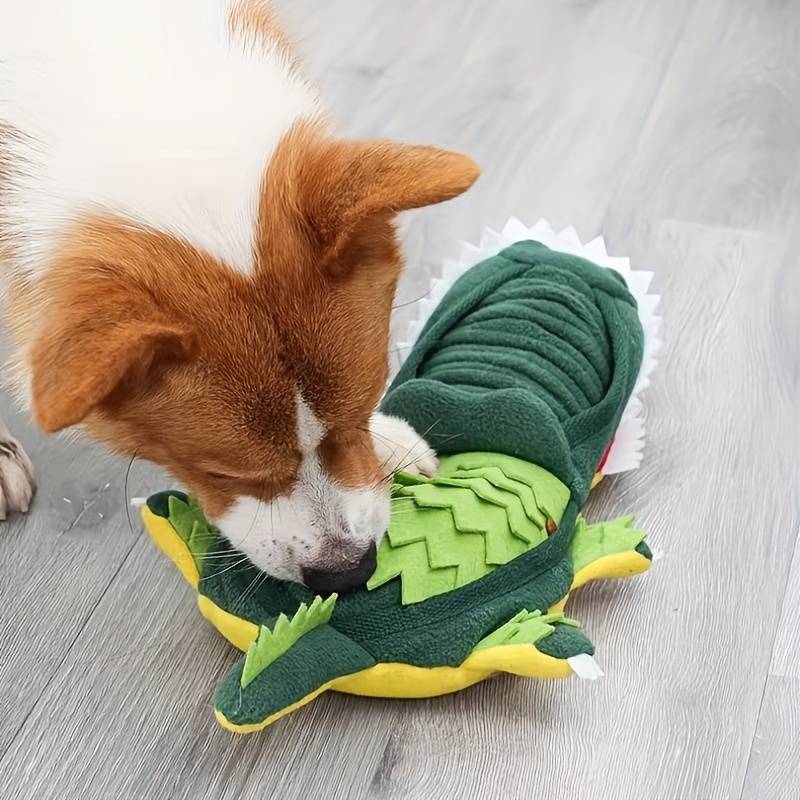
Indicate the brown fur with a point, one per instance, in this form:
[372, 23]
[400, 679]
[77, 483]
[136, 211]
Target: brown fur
[161, 351]
[255, 21]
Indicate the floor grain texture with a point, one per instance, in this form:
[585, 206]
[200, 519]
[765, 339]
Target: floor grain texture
[673, 128]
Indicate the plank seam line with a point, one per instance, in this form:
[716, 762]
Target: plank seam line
[768, 675]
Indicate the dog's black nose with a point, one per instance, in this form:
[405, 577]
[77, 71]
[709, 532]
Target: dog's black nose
[346, 580]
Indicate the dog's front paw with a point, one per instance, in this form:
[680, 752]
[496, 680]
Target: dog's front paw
[400, 447]
[16, 476]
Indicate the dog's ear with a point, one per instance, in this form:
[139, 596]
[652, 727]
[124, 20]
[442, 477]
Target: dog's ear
[337, 185]
[91, 346]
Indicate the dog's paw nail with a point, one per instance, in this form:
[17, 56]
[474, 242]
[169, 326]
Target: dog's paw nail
[17, 486]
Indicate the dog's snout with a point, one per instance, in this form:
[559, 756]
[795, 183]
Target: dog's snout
[326, 582]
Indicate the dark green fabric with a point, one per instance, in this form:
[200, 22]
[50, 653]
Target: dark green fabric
[643, 550]
[565, 642]
[158, 503]
[480, 511]
[441, 631]
[533, 353]
[444, 629]
[245, 591]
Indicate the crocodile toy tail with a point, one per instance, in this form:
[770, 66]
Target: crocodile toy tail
[530, 321]
[534, 355]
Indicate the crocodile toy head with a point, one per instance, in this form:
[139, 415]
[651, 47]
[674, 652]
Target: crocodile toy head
[520, 379]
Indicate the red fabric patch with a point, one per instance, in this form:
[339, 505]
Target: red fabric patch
[605, 456]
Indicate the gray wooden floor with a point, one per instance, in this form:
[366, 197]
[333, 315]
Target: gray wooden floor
[674, 128]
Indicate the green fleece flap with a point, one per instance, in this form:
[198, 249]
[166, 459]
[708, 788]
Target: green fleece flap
[456, 528]
[552, 634]
[526, 627]
[489, 490]
[565, 642]
[550, 495]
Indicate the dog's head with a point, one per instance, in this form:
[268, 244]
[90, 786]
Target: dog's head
[254, 388]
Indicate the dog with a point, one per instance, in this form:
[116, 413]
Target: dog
[199, 272]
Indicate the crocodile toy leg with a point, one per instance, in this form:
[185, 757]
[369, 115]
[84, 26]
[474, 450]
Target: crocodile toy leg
[604, 550]
[309, 668]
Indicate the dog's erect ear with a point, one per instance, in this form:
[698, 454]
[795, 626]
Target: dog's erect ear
[336, 184]
[90, 347]
[351, 181]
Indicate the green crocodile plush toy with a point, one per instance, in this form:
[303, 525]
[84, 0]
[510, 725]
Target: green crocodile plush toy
[529, 356]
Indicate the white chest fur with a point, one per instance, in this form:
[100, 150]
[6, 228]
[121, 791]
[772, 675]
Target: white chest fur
[145, 109]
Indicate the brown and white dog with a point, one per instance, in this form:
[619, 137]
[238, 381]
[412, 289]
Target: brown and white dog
[198, 272]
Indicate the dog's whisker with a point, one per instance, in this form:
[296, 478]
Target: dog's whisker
[390, 456]
[411, 302]
[229, 567]
[125, 490]
[420, 440]
[383, 437]
[252, 586]
[217, 559]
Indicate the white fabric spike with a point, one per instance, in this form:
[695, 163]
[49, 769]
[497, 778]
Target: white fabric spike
[543, 228]
[438, 289]
[491, 239]
[626, 449]
[621, 265]
[585, 666]
[514, 228]
[639, 281]
[427, 307]
[451, 269]
[596, 248]
[570, 237]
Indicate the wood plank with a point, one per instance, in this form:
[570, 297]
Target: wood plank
[774, 771]
[56, 563]
[786, 654]
[722, 143]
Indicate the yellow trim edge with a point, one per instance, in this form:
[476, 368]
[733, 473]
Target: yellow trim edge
[176, 550]
[238, 631]
[615, 565]
[241, 633]
[252, 727]
[388, 680]
[405, 682]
